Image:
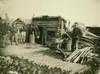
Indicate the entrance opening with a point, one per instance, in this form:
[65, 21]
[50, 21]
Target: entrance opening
[41, 33]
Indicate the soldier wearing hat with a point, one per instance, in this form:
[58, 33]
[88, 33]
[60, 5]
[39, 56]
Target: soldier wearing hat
[76, 35]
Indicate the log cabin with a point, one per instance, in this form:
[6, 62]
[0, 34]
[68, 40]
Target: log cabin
[19, 23]
[49, 27]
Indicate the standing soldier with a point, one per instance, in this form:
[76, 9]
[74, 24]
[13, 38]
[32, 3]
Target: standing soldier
[32, 35]
[23, 34]
[4, 34]
[76, 34]
[36, 34]
[14, 35]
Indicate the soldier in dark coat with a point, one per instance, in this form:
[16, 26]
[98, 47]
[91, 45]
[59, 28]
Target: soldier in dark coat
[36, 34]
[3, 30]
[76, 35]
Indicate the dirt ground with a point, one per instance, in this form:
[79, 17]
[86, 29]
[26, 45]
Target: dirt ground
[41, 55]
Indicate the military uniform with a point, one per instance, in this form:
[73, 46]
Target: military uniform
[14, 35]
[76, 34]
[4, 34]
[23, 35]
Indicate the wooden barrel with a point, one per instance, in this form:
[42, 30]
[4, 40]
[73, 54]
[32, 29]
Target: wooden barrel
[32, 39]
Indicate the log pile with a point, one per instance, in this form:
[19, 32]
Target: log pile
[79, 55]
[90, 38]
[85, 56]
[87, 48]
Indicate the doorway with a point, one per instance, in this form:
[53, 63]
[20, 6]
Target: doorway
[41, 34]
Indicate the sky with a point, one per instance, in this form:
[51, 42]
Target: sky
[83, 11]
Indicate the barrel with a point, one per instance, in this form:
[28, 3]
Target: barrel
[67, 44]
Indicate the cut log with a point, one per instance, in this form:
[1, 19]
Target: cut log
[73, 58]
[73, 54]
[78, 57]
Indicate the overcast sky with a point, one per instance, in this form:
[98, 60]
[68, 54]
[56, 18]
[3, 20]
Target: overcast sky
[86, 11]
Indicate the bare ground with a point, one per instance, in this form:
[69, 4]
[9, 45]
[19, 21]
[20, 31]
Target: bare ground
[41, 55]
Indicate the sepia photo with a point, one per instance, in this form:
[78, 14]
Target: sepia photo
[49, 36]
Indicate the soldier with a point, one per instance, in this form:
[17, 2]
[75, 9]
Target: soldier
[14, 35]
[7, 32]
[23, 34]
[36, 34]
[4, 34]
[76, 34]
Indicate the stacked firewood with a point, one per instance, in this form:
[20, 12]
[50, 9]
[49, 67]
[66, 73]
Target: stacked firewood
[80, 55]
[90, 38]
